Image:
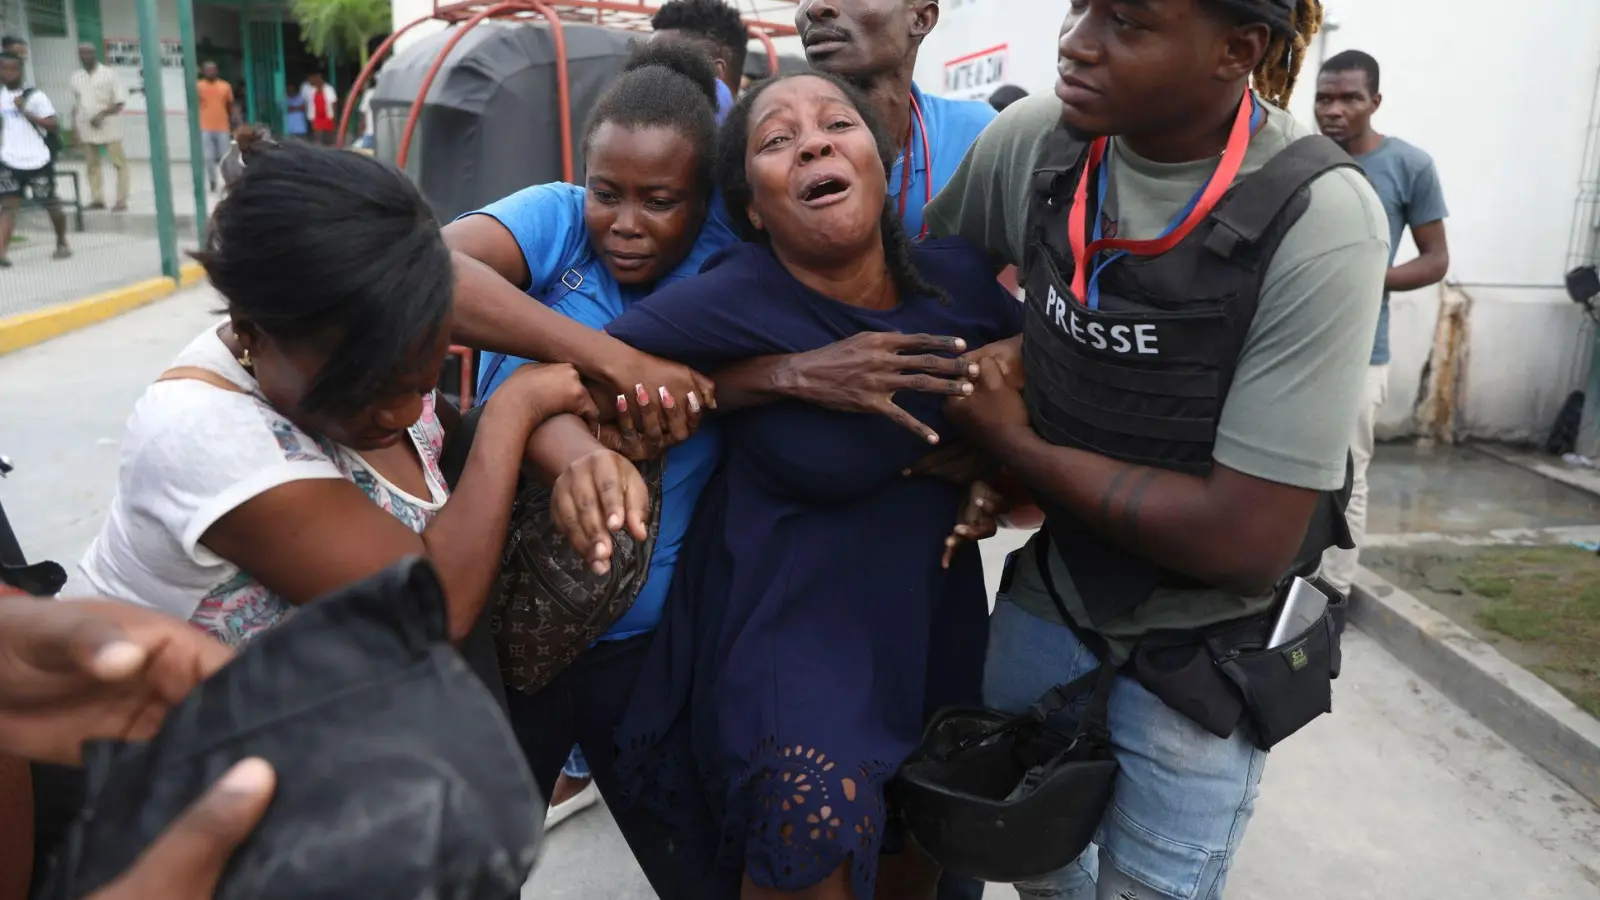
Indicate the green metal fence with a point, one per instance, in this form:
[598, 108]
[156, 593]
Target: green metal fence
[152, 48]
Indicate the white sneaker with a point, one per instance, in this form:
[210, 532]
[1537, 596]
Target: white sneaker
[573, 805]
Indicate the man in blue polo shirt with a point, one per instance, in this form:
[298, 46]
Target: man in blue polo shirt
[873, 44]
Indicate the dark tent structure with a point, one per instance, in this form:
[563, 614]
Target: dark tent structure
[491, 124]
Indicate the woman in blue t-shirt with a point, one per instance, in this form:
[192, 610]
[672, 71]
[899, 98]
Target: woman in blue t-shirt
[589, 253]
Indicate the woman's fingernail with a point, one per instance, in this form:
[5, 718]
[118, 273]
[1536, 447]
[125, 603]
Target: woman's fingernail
[614, 523]
[960, 344]
[967, 388]
[599, 567]
[622, 404]
[962, 530]
[666, 398]
[905, 471]
[933, 439]
[118, 659]
[949, 542]
[694, 403]
[974, 371]
[248, 776]
[644, 396]
[982, 503]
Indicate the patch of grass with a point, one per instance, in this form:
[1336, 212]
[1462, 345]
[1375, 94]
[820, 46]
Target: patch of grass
[1548, 598]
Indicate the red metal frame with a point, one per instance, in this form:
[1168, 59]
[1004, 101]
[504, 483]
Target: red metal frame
[465, 355]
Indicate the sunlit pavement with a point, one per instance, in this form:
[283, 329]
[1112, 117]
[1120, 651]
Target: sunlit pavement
[1399, 794]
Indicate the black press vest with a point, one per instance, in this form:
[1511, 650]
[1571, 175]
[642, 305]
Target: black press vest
[1143, 378]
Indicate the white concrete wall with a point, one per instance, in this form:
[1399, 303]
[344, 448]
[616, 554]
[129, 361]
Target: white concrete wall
[1502, 100]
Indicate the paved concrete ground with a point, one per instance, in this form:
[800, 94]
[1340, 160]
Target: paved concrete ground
[114, 249]
[1398, 794]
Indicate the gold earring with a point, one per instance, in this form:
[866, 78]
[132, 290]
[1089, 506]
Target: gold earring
[246, 361]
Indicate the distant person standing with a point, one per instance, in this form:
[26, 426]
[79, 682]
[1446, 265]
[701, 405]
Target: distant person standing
[296, 123]
[1408, 185]
[27, 165]
[321, 108]
[216, 118]
[98, 97]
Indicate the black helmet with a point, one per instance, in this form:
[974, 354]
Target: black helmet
[1008, 798]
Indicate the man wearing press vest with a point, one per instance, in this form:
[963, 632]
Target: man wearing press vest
[1203, 280]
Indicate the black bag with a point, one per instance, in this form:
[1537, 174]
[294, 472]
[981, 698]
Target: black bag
[397, 776]
[547, 606]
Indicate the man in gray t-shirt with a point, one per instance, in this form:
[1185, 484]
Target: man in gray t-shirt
[1408, 185]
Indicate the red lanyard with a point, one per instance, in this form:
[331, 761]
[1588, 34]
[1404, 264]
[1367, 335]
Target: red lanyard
[911, 158]
[1222, 179]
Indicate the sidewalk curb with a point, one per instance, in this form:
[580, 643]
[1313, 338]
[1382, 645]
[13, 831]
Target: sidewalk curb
[27, 329]
[1523, 710]
[1553, 472]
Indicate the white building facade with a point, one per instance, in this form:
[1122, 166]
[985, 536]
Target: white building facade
[1503, 97]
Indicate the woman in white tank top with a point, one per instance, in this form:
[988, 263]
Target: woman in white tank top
[295, 447]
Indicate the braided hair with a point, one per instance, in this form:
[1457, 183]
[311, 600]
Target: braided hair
[736, 191]
[1294, 23]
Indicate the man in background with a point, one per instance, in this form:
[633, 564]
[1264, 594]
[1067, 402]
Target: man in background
[1005, 95]
[717, 28]
[98, 97]
[873, 44]
[27, 165]
[1407, 183]
[216, 101]
[321, 109]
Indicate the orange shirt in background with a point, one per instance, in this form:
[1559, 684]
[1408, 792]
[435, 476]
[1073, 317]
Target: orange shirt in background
[216, 99]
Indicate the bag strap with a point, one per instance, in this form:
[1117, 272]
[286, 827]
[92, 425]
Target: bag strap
[195, 373]
[1096, 717]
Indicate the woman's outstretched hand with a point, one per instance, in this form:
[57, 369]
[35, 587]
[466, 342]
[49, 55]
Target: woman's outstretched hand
[597, 496]
[863, 373]
[187, 860]
[641, 380]
[640, 436]
[977, 520]
[79, 670]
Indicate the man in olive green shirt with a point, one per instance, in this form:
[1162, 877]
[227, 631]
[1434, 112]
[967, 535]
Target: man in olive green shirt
[1165, 77]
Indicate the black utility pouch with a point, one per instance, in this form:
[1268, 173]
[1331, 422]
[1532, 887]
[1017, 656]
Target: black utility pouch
[1284, 687]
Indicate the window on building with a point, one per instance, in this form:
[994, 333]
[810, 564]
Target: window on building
[47, 18]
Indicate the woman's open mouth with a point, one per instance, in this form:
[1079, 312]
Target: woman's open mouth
[824, 190]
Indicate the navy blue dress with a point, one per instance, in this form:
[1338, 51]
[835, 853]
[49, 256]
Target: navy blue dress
[810, 631]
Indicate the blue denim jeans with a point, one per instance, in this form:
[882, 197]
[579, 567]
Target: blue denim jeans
[1183, 796]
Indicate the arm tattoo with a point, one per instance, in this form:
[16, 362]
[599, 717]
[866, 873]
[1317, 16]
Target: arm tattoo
[1130, 508]
[1110, 495]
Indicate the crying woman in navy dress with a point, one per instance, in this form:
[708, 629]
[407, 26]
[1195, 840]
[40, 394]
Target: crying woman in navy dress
[811, 628]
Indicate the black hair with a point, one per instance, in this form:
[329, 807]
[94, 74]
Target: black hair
[1355, 61]
[9, 56]
[315, 245]
[665, 86]
[713, 20]
[1006, 95]
[1293, 24]
[12, 40]
[736, 191]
